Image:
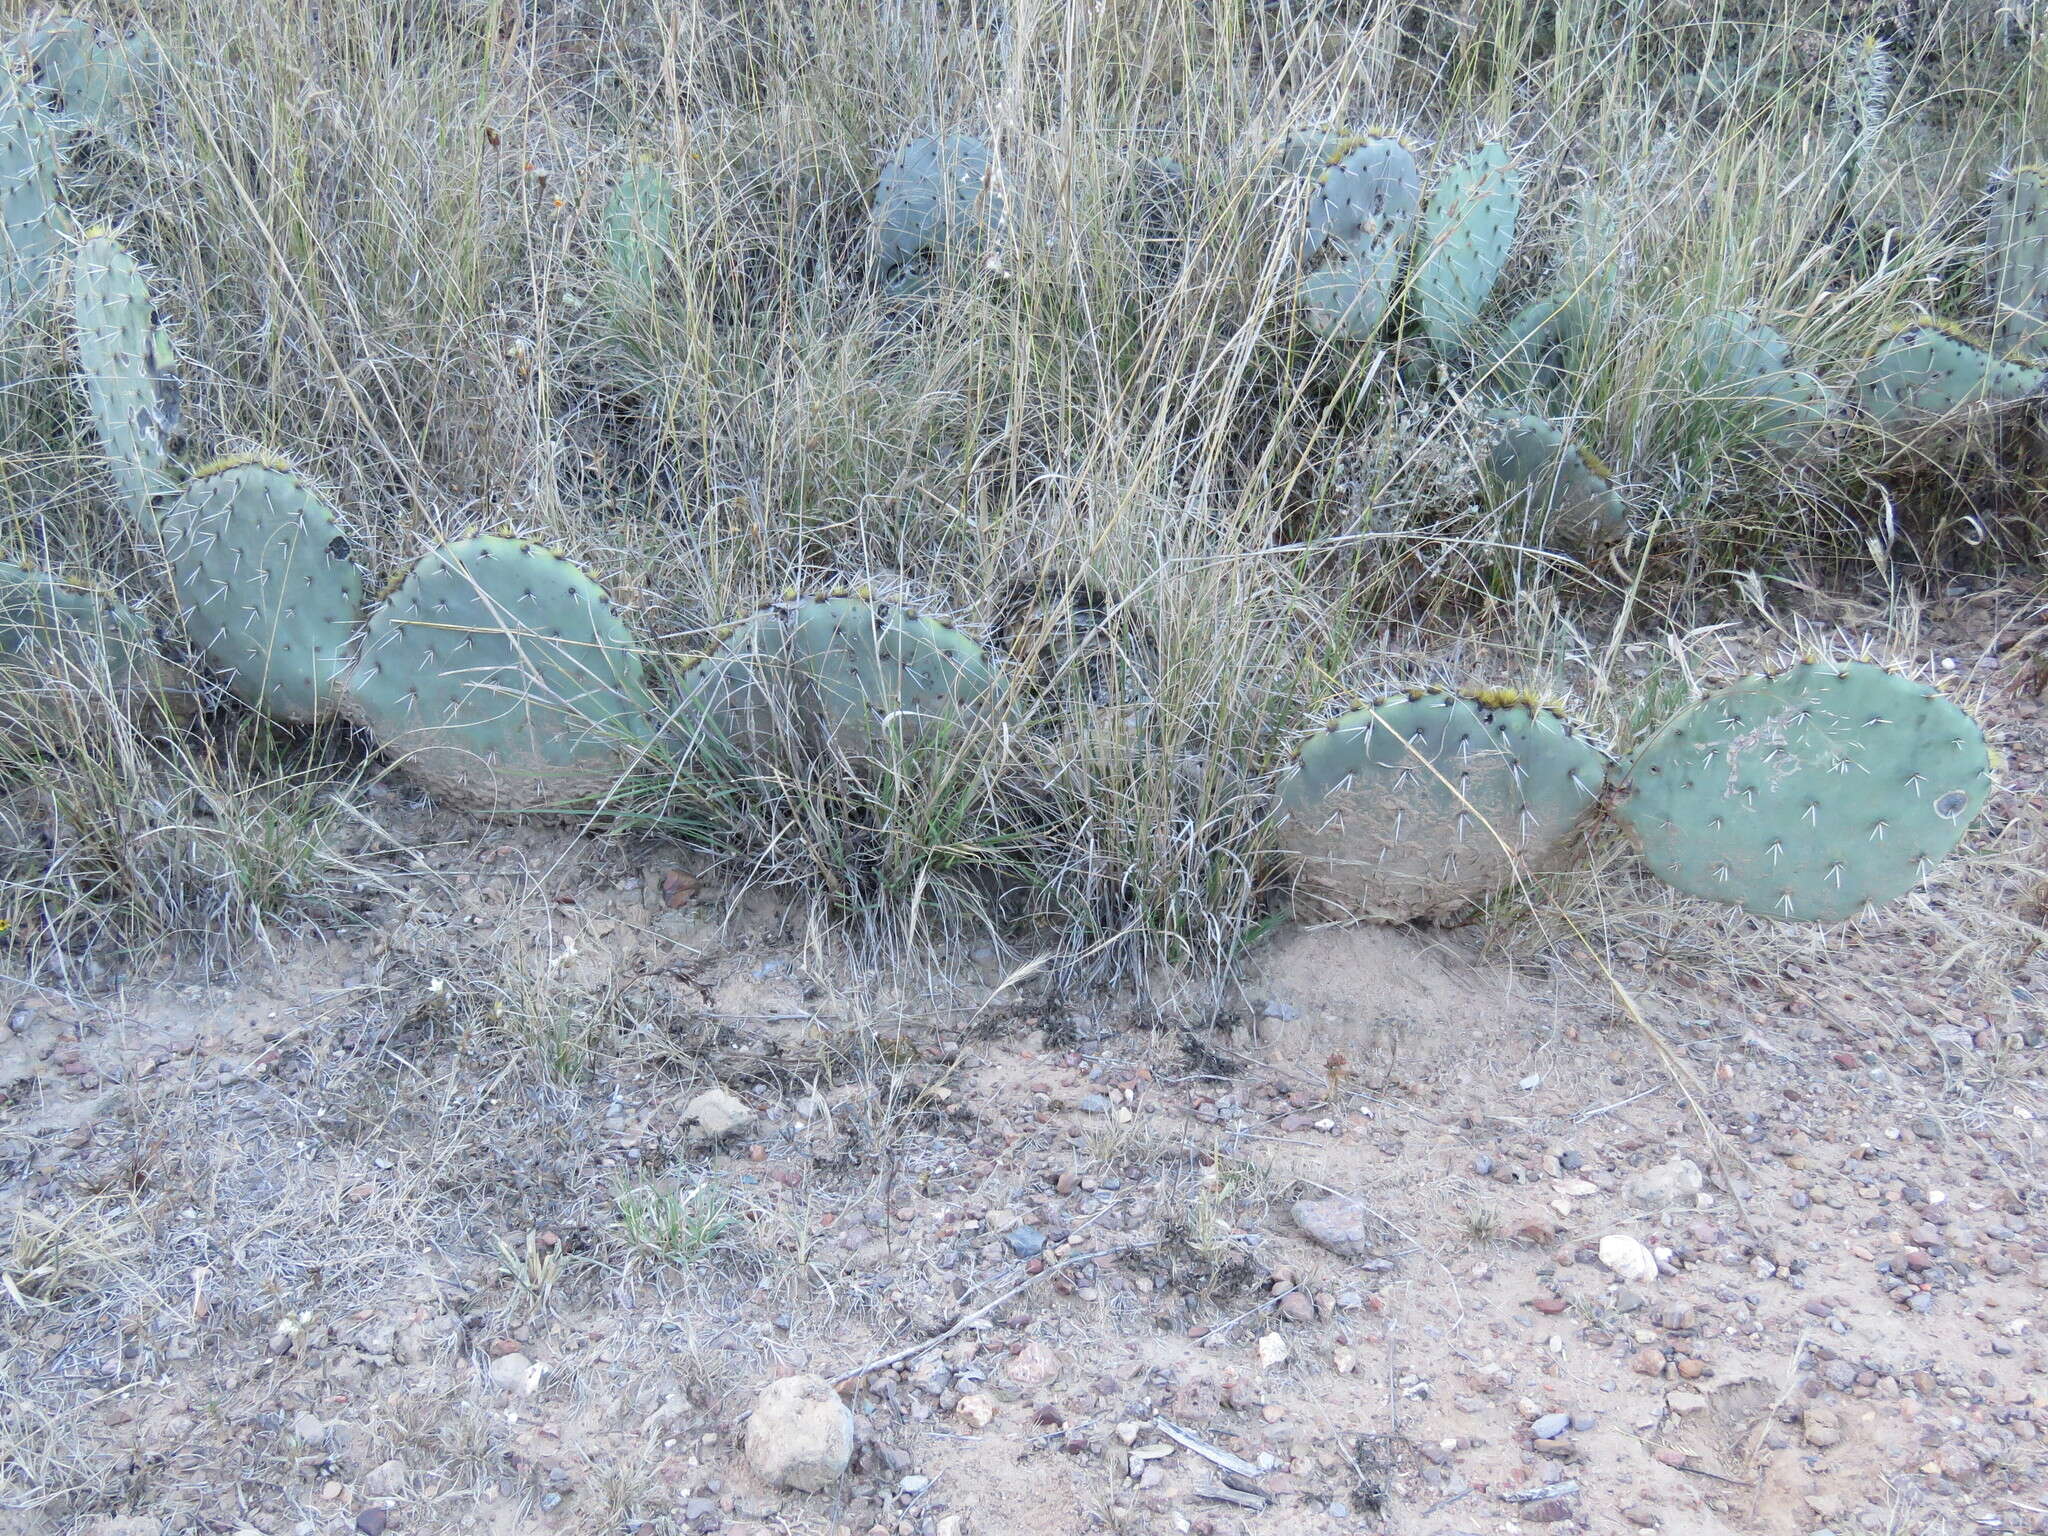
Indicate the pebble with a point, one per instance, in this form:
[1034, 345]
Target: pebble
[1551, 1425]
[800, 1434]
[517, 1374]
[1336, 1222]
[1684, 1402]
[1025, 1242]
[717, 1113]
[1669, 1183]
[977, 1410]
[1273, 1351]
[1093, 1104]
[371, 1522]
[1296, 1307]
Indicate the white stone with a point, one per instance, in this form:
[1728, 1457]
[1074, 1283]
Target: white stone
[717, 1113]
[800, 1434]
[1628, 1258]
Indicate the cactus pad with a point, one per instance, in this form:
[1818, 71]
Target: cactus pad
[932, 194]
[264, 578]
[33, 220]
[1305, 151]
[835, 672]
[98, 83]
[1740, 362]
[1539, 347]
[1466, 235]
[1562, 494]
[1808, 795]
[1363, 199]
[639, 225]
[129, 369]
[50, 627]
[2019, 262]
[1928, 370]
[1421, 805]
[498, 675]
[1348, 299]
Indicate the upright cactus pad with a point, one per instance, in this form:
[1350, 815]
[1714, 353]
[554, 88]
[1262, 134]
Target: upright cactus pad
[1809, 795]
[129, 370]
[1421, 805]
[268, 590]
[1467, 232]
[932, 194]
[2019, 263]
[1928, 370]
[498, 675]
[1558, 491]
[1365, 198]
[33, 220]
[639, 231]
[1540, 346]
[835, 672]
[1735, 361]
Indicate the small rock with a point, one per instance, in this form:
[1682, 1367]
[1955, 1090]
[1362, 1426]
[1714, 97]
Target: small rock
[1551, 1425]
[1648, 1362]
[1034, 1365]
[309, 1428]
[1821, 1428]
[1296, 1307]
[1093, 1104]
[1336, 1222]
[1273, 1351]
[717, 1113]
[800, 1435]
[1684, 1402]
[1641, 1518]
[386, 1480]
[371, 1522]
[517, 1374]
[977, 1410]
[950, 1525]
[1025, 1242]
[1669, 1183]
[1545, 1512]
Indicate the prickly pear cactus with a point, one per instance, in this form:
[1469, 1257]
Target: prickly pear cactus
[1364, 198]
[98, 83]
[1564, 496]
[1809, 795]
[1467, 233]
[129, 370]
[1348, 299]
[265, 583]
[54, 631]
[838, 673]
[2019, 262]
[932, 194]
[639, 230]
[497, 674]
[1305, 151]
[33, 222]
[1734, 360]
[1540, 346]
[1864, 96]
[1424, 804]
[1929, 370]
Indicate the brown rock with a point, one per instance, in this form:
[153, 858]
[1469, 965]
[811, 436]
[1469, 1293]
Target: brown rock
[1648, 1362]
[1337, 1223]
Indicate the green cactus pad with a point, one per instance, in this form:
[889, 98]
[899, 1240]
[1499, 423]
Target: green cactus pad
[1559, 492]
[498, 675]
[1467, 233]
[639, 231]
[1809, 795]
[34, 224]
[835, 672]
[1363, 199]
[1737, 362]
[1421, 805]
[1347, 300]
[1927, 370]
[98, 83]
[1540, 346]
[264, 578]
[50, 628]
[1305, 151]
[933, 194]
[2019, 262]
[129, 370]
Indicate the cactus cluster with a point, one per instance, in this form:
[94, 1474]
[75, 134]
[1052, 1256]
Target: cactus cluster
[498, 673]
